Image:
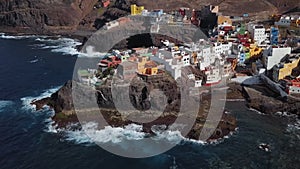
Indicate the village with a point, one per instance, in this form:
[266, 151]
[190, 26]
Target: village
[236, 49]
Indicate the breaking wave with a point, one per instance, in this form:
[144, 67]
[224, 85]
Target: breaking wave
[4, 36]
[66, 46]
[89, 134]
[26, 101]
[56, 44]
[51, 127]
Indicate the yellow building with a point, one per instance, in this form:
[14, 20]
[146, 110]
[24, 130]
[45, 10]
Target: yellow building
[149, 71]
[136, 10]
[255, 51]
[288, 69]
[150, 68]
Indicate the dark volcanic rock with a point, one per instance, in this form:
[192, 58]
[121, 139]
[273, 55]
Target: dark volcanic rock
[62, 103]
[262, 99]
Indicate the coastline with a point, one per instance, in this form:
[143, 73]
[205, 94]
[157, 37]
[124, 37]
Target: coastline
[66, 115]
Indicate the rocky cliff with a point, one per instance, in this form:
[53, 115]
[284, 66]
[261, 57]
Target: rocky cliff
[35, 16]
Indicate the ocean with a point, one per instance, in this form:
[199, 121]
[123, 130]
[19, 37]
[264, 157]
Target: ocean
[34, 67]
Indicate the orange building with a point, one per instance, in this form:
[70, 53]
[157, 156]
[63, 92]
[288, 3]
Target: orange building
[224, 19]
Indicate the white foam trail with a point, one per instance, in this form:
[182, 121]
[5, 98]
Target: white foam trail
[4, 36]
[258, 112]
[34, 61]
[26, 101]
[4, 104]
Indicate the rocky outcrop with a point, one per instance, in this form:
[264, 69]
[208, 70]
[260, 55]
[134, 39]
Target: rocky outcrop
[142, 98]
[261, 98]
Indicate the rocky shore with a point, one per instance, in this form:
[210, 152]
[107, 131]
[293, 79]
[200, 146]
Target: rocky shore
[257, 97]
[63, 105]
[261, 98]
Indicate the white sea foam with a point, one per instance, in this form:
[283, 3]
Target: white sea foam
[51, 127]
[58, 44]
[90, 134]
[66, 46]
[285, 114]
[26, 101]
[34, 61]
[258, 112]
[4, 36]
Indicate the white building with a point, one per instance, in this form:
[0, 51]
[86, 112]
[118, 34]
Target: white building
[222, 48]
[213, 76]
[273, 55]
[198, 83]
[186, 59]
[294, 90]
[258, 33]
[206, 57]
[173, 65]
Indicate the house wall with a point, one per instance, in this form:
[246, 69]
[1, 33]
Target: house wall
[198, 83]
[274, 35]
[294, 90]
[259, 35]
[273, 56]
[174, 70]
